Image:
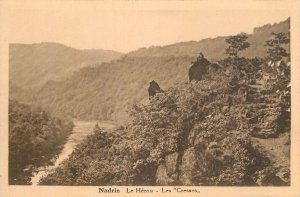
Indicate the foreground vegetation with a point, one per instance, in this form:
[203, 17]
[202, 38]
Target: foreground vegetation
[34, 139]
[195, 133]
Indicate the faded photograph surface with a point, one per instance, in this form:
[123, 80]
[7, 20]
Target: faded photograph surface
[149, 97]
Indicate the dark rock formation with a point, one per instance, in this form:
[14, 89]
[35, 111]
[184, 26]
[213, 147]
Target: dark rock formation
[189, 167]
[154, 88]
[199, 68]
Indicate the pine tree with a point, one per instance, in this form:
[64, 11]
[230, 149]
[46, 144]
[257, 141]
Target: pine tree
[275, 46]
[237, 43]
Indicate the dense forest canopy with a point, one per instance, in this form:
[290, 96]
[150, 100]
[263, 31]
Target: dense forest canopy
[34, 137]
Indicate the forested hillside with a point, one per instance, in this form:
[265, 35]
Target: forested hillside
[31, 65]
[107, 90]
[206, 132]
[214, 48]
[218, 118]
[34, 139]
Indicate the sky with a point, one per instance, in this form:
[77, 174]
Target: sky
[131, 25]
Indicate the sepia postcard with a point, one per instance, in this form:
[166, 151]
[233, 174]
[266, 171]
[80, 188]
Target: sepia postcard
[149, 98]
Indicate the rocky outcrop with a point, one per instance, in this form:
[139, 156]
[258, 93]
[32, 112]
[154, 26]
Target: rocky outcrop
[264, 112]
[202, 68]
[190, 166]
[154, 88]
[194, 134]
[217, 150]
[162, 177]
[166, 173]
[199, 68]
[270, 176]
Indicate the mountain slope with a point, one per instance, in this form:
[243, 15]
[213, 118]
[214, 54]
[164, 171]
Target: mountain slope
[214, 48]
[32, 65]
[190, 135]
[108, 90]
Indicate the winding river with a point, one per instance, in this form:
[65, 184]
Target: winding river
[80, 131]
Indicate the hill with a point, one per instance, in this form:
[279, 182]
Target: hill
[193, 134]
[108, 90]
[214, 48]
[31, 65]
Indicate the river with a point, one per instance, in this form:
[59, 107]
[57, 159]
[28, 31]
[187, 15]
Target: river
[80, 131]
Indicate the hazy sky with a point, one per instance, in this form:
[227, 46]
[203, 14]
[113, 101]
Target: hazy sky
[131, 25]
